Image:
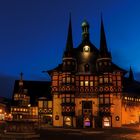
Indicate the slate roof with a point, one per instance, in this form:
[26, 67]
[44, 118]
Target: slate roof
[131, 87]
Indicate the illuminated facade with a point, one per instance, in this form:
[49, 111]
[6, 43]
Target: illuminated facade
[29, 103]
[88, 88]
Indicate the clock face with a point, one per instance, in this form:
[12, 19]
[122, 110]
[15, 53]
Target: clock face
[86, 48]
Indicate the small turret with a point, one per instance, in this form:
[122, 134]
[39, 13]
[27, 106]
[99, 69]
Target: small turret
[85, 30]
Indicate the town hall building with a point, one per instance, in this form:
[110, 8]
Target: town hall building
[88, 89]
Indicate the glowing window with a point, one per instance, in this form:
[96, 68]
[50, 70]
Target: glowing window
[72, 100]
[91, 83]
[81, 83]
[106, 80]
[118, 78]
[67, 100]
[86, 83]
[106, 100]
[49, 104]
[125, 98]
[68, 79]
[72, 80]
[101, 100]
[40, 104]
[100, 80]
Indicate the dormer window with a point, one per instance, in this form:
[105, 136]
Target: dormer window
[86, 48]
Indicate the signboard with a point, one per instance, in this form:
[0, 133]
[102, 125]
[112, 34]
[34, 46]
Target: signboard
[56, 117]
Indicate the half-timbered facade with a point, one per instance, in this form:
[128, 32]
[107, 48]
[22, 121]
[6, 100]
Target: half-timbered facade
[87, 88]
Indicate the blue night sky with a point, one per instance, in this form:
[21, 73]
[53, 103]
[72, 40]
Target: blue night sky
[33, 34]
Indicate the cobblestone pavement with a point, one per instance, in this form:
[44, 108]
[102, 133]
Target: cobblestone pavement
[125, 133]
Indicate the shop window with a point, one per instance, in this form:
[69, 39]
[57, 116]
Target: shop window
[67, 121]
[106, 122]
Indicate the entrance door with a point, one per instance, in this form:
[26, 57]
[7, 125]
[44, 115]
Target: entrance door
[87, 113]
[67, 121]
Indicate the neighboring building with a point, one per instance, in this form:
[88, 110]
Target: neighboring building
[26, 97]
[86, 90]
[89, 90]
[5, 109]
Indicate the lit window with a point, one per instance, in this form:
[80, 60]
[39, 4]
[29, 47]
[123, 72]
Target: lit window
[125, 98]
[86, 83]
[67, 100]
[49, 104]
[106, 100]
[81, 83]
[101, 100]
[110, 80]
[96, 83]
[106, 80]
[118, 78]
[72, 100]
[40, 104]
[63, 100]
[68, 79]
[63, 79]
[72, 80]
[100, 80]
[91, 83]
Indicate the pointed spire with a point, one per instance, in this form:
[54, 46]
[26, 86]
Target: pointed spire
[131, 75]
[69, 43]
[21, 79]
[103, 44]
